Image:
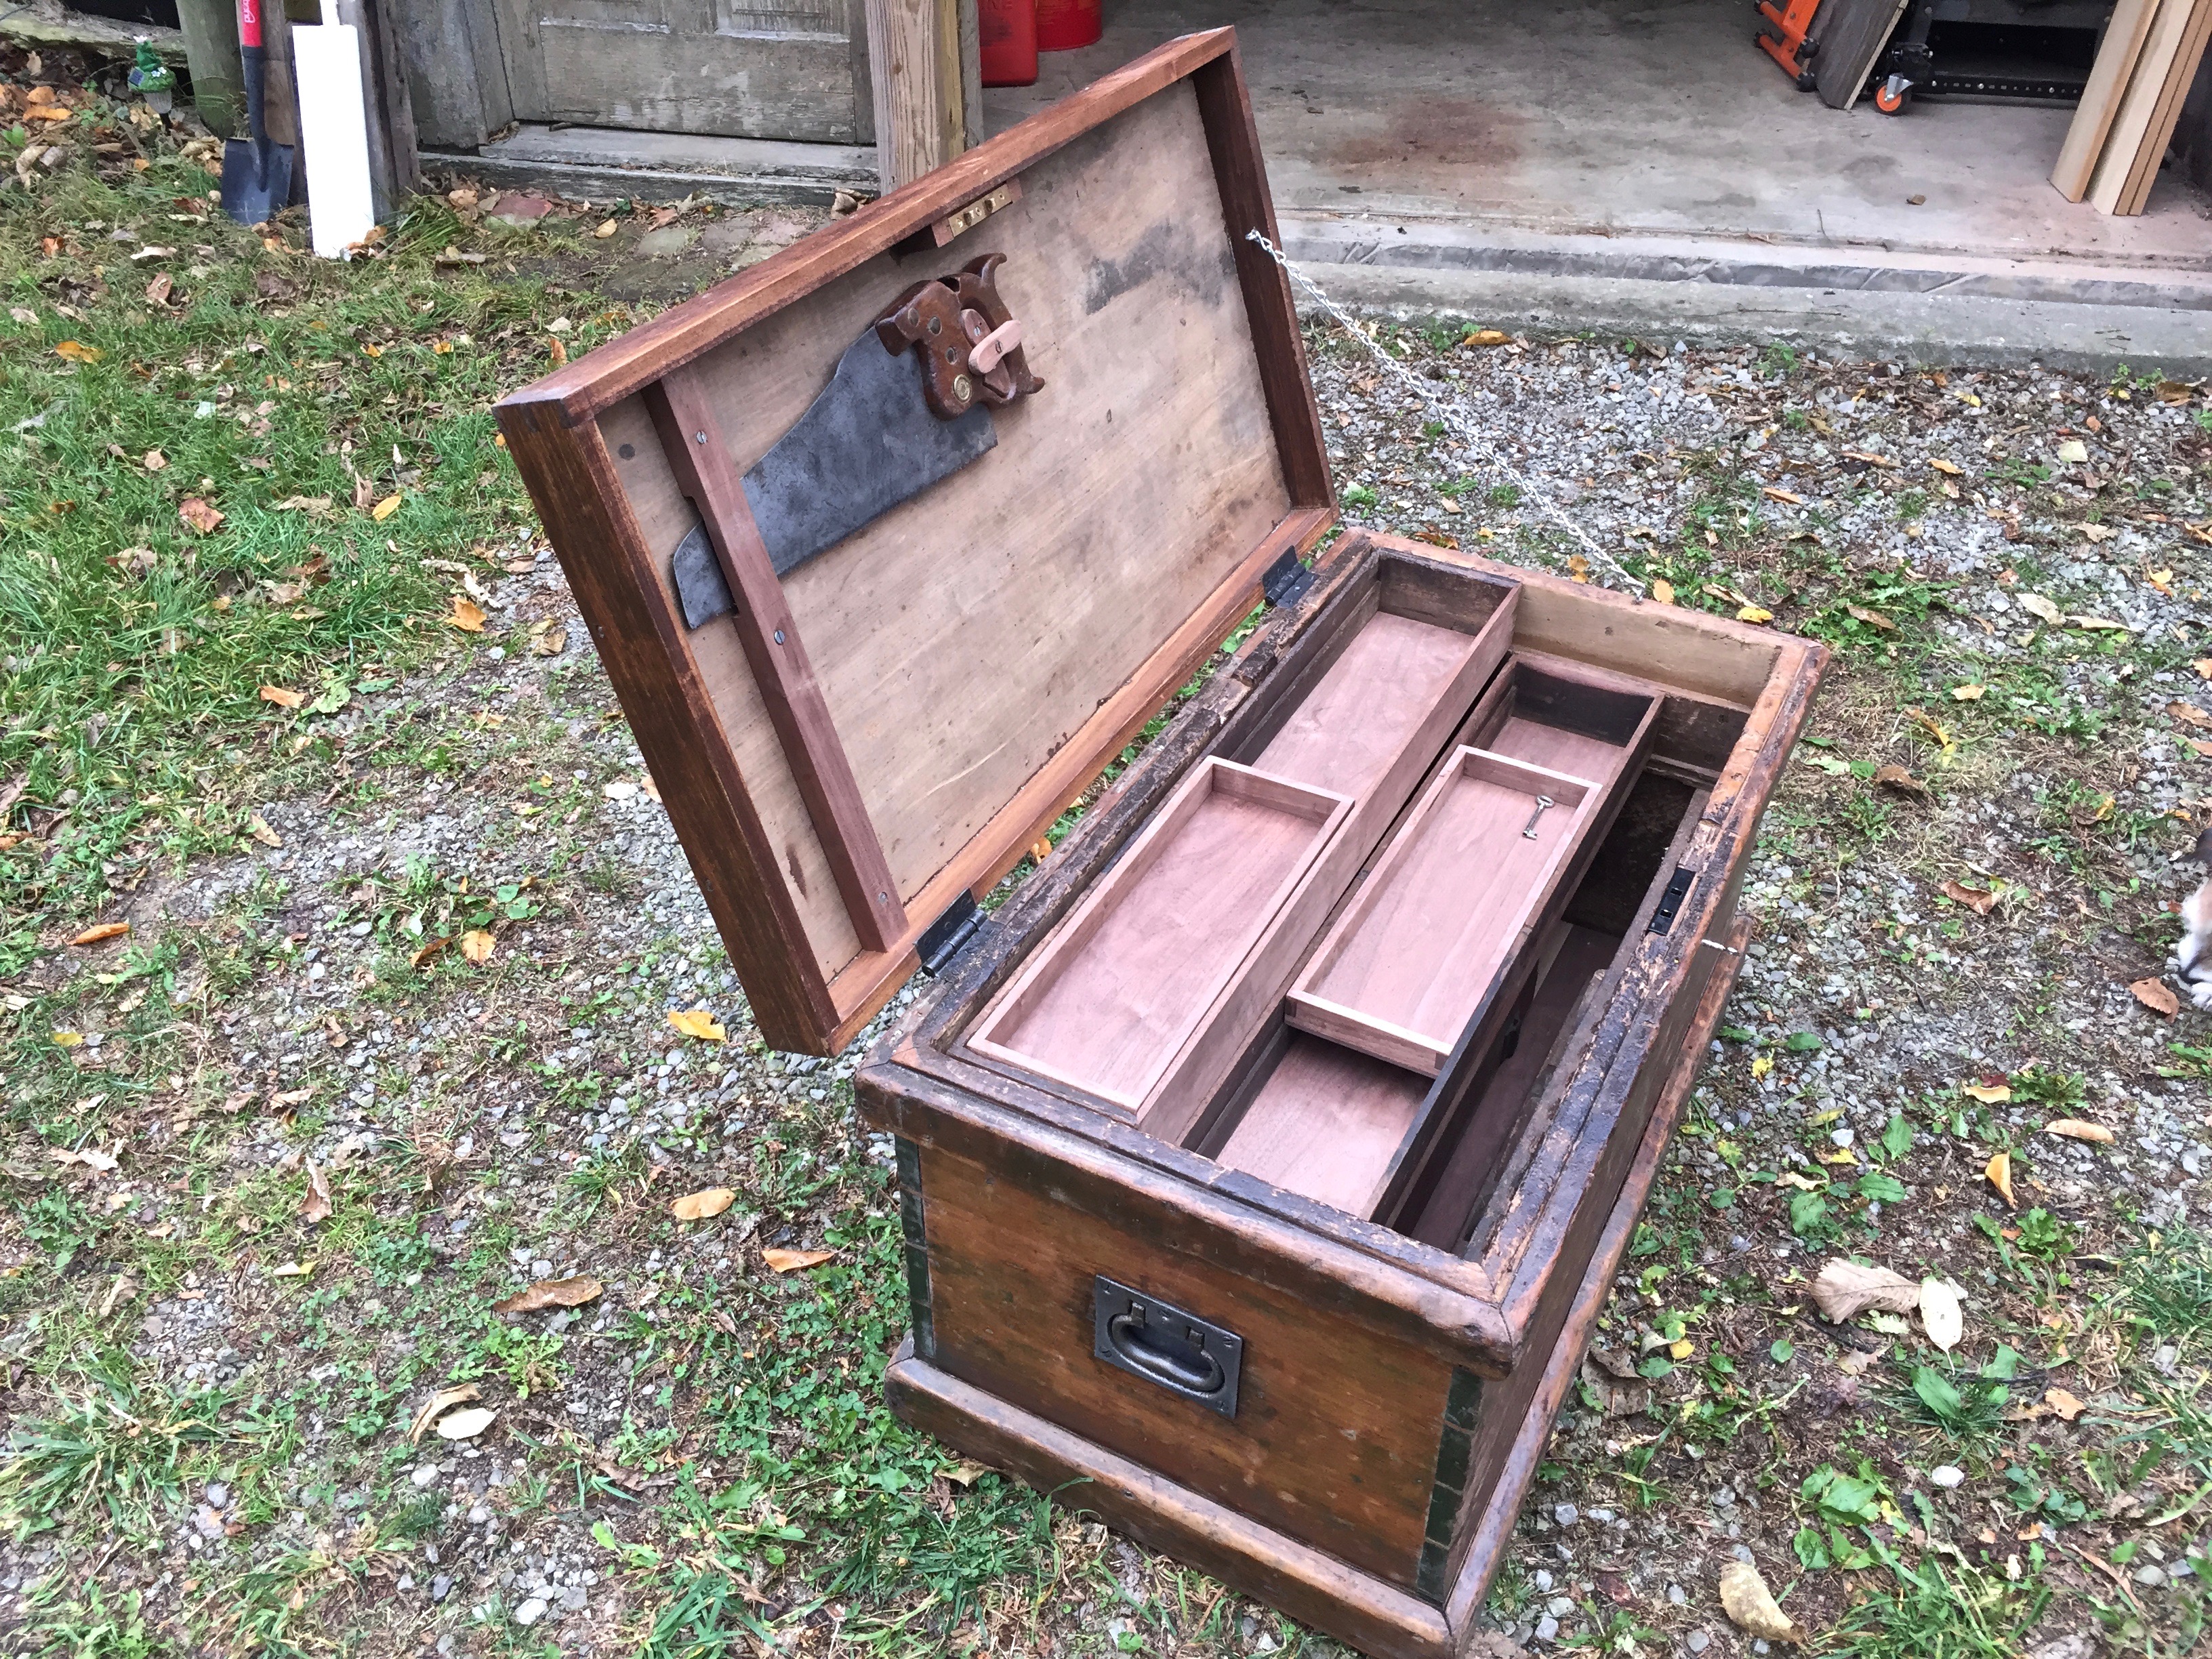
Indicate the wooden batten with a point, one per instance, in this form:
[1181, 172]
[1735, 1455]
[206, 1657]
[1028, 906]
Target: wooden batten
[881, 733]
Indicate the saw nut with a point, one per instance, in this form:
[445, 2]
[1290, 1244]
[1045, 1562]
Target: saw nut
[969, 342]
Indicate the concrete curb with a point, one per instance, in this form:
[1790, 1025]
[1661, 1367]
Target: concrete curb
[1946, 331]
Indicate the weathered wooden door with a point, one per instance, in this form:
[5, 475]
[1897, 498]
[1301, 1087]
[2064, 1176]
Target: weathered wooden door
[743, 68]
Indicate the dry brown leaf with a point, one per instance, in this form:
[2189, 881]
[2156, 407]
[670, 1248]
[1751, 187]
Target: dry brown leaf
[91, 1158]
[1844, 1290]
[698, 1022]
[2068, 1406]
[77, 352]
[1751, 1606]
[467, 615]
[1662, 590]
[571, 1292]
[966, 1472]
[429, 950]
[1893, 777]
[699, 1206]
[1487, 337]
[316, 1205]
[1774, 492]
[257, 827]
[1979, 900]
[546, 641]
[292, 1270]
[477, 945]
[790, 1262]
[556, 352]
[101, 932]
[284, 1100]
[2156, 995]
[465, 1423]
[1990, 1094]
[1942, 1314]
[158, 291]
[2189, 712]
[2035, 605]
[154, 461]
[1998, 1173]
[1874, 618]
[1950, 467]
[1969, 693]
[444, 1401]
[283, 696]
[385, 508]
[647, 787]
[199, 515]
[2075, 1129]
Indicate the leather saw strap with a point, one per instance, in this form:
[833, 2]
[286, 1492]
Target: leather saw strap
[701, 461]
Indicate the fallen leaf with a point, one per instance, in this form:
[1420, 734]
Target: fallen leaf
[282, 696]
[1870, 460]
[1990, 1094]
[2097, 624]
[1579, 566]
[257, 827]
[1969, 693]
[606, 229]
[1950, 467]
[284, 1100]
[2161, 580]
[1800, 1182]
[2035, 605]
[1874, 618]
[158, 291]
[647, 787]
[2154, 995]
[1998, 1173]
[418, 957]
[385, 508]
[966, 1472]
[698, 1022]
[1894, 777]
[1776, 493]
[467, 616]
[91, 1157]
[444, 1401]
[788, 1261]
[477, 945]
[1662, 590]
[154, 461]
[2075, 1129]
[1748, 1601]
[1975, 899]
[2189, 712]
[556, 352]
[551, 1293]
[1844, 1290]
[102, 932]
[68, 1039]
[1941, 1314]
[316, 1205]
[699, 1206]
[2073, 452]
[2097, 532]
[292, 1270]
[1487, 337]
[2068, 1406]
[547, 641]
[2203, 667]
[199, 515]
[77, 353]
[1762, 1065]
[465, 1423]
[1754, 613]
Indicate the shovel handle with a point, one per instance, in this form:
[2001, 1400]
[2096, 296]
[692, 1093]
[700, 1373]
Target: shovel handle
[249, 24]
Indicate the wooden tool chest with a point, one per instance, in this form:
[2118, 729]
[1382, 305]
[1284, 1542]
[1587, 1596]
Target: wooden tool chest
[1265, 1157]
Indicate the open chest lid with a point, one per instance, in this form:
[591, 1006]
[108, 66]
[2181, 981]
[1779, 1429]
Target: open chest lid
[874, 628]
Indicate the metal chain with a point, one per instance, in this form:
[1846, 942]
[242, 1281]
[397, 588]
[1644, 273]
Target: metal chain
[1457, 416]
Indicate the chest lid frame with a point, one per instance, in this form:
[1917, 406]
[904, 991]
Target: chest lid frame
[872, 741]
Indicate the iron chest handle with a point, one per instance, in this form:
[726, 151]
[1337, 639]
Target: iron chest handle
[1181, 1364]
[1166, 1346]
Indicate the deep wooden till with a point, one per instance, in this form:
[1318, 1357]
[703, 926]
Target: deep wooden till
[1264, 1160]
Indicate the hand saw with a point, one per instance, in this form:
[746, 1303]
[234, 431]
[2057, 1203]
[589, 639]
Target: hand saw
[910, 403]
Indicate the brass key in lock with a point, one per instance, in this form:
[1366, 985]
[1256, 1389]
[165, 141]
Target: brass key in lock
[1529, 832]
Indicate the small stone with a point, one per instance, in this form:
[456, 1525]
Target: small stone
[1566, 1515]
[1697, 1641]
[1561, 1606]
[1542, 1579]
[424, 1474]
[2149, 1576]
[1946, 1476]
[666, 242]
[1546, 1628]
[441, 1587]
[529, 1612]
[1676, 1596]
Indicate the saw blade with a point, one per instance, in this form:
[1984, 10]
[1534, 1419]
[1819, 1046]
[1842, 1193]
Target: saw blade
[866, 444]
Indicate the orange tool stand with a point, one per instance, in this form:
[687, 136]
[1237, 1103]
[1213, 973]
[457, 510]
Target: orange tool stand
[1782, 34]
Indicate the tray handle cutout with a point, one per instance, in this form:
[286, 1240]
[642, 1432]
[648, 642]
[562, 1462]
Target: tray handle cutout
[1186, 1355]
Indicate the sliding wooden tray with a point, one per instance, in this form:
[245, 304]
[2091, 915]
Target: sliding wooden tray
[1451, 905]
[1298, 1315]
[1108, 1002]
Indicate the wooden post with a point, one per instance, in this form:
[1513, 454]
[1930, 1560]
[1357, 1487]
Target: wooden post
[914, 64]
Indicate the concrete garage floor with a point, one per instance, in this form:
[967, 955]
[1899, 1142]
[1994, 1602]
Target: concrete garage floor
[1641, 163]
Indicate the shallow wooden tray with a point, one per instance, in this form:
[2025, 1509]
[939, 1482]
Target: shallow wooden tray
[1449, 907]
[1108, 1001]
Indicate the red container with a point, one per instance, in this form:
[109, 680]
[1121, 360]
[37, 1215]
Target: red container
[1065, 25]
[1009, 30]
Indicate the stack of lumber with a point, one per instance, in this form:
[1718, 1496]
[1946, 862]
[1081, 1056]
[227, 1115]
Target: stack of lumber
[2126, 116]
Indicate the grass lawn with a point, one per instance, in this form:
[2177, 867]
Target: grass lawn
[341, 930]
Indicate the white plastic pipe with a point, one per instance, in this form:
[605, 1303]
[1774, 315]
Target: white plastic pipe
[334, 133]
